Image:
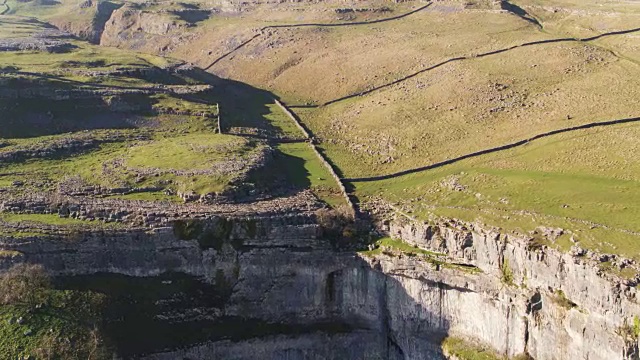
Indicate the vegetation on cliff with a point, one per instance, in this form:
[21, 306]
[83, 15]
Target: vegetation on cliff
[40, 322]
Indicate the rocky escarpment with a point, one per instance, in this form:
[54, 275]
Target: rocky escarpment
[144, 30]
[50, 46]
[548, 304]
[252, 283]
[87, 19]
[272, 287]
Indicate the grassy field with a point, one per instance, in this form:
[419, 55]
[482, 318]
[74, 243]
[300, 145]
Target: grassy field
[120, 164]
[312, 174]
[145, 147]
[473, 105]
[570, 181]
[139, 150]
[319, 64]
[61, 319]
[585, 183]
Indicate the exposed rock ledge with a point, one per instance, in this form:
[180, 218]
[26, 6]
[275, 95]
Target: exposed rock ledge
[394, 306]
[559, 306]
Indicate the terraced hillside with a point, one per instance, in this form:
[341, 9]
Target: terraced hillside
[88, 121]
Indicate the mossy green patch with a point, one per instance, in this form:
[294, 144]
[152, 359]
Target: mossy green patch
[37, 321]
[560, 299]
[507, 273]
[187, 152]
[10, 254]
[188, 229]
[465, 350]
[391, 247]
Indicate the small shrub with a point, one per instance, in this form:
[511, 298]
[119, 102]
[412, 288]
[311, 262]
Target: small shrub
[224, 287]
[349, 232]
[252, 229]
[24, 284]
[338, 226]
[209, 240]
[213, 236]
[187, 229]
[467, 350]
[630, 331]
[507, 273]
[523, 356]
[561, 300]
[237, 243]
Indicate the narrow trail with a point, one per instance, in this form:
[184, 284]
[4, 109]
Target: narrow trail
[469, 57]
[357, 23]
[492, 150]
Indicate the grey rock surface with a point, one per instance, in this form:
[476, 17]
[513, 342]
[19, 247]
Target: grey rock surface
[387, 306]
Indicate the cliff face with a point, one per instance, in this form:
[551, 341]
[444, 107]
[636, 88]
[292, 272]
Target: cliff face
[558, 305]
[251, 287]
[292, 297]
[87, 20]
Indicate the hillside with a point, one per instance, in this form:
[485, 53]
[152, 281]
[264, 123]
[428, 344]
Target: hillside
[450, 79]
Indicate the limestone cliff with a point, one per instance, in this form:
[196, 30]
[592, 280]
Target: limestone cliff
[552, 305]
[294, 297]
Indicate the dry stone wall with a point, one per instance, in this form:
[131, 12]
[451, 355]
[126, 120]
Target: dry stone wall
[322, 159]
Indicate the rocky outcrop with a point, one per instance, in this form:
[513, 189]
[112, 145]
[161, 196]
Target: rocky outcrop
[87, 20]
[549, 304]
[50, 148]
[143, 30]
[36, 44]
[154, 214]
[355, 345]
[309, 301]
[274, 275]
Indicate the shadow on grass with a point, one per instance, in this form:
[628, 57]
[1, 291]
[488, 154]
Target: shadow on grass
[34, 117]
[193, 16]
[45, 112]
[519, 12]
[241, 105]
[48, 105]
[286, 175]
